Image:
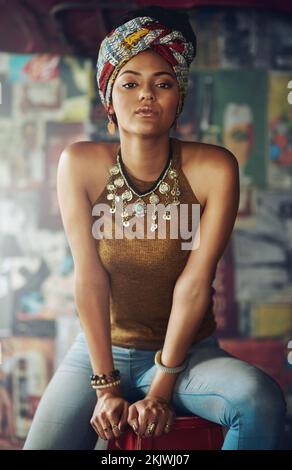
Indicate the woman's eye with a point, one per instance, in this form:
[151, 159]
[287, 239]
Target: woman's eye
[167, 84]
[131, 83]
[128, 84]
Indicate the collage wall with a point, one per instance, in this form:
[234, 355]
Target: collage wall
[238, 98]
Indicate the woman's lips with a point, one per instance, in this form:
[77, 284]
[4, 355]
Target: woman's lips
[146, 114]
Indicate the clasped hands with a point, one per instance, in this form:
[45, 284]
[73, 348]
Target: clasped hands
[151, 416]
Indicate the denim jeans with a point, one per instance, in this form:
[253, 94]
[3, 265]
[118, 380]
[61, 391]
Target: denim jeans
[215, 385]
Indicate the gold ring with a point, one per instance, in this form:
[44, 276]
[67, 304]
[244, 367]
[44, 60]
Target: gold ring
[150, 428]
[115, 426]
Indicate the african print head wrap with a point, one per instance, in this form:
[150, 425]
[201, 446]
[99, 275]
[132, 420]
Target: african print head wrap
[135, 36]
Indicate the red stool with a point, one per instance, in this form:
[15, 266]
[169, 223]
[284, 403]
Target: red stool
[187, 433]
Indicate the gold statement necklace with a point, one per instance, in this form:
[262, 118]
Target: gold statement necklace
[120, 188]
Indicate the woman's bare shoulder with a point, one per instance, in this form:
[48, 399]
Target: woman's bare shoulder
[206, 155]
[201, 163]
[90, 161]
[88, 150]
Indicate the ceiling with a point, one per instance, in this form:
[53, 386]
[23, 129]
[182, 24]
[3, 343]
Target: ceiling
[77, 27]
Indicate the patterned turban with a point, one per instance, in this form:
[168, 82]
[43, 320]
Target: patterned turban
[135, 36]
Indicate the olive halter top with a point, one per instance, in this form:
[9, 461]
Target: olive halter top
[143, 273]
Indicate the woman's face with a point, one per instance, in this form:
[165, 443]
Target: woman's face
[145, 86]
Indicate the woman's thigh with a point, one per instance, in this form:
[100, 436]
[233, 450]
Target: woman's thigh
[62, 419]
[216, 385]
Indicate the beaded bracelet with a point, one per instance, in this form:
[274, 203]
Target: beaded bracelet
[169, 370]
[105, 380]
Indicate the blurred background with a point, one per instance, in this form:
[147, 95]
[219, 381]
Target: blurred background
[240, 97]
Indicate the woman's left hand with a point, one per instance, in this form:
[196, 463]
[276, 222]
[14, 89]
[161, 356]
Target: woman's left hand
[151, 409]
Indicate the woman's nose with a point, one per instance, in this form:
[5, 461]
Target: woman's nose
[147, 92]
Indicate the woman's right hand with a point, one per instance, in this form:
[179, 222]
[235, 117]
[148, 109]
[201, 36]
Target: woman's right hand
[110, 415]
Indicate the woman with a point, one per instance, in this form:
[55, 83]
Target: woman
[145, 302]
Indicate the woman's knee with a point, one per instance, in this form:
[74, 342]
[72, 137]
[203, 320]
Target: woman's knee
[260, 394]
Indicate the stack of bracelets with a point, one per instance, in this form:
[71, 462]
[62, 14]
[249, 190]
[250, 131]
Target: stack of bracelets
[99, 381]
[105, 380]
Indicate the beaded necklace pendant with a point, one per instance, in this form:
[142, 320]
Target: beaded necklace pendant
[119, 188]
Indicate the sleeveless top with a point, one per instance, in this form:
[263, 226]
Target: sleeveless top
[143, 273]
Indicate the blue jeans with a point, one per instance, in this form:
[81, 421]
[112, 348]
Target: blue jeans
[215, 385]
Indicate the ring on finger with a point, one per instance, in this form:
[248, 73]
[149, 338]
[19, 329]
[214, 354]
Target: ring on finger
[107, 429]
[150, 428]
[115, 427]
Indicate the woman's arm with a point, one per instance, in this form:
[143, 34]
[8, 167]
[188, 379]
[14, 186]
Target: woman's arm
[91, 283]
[191, 295]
